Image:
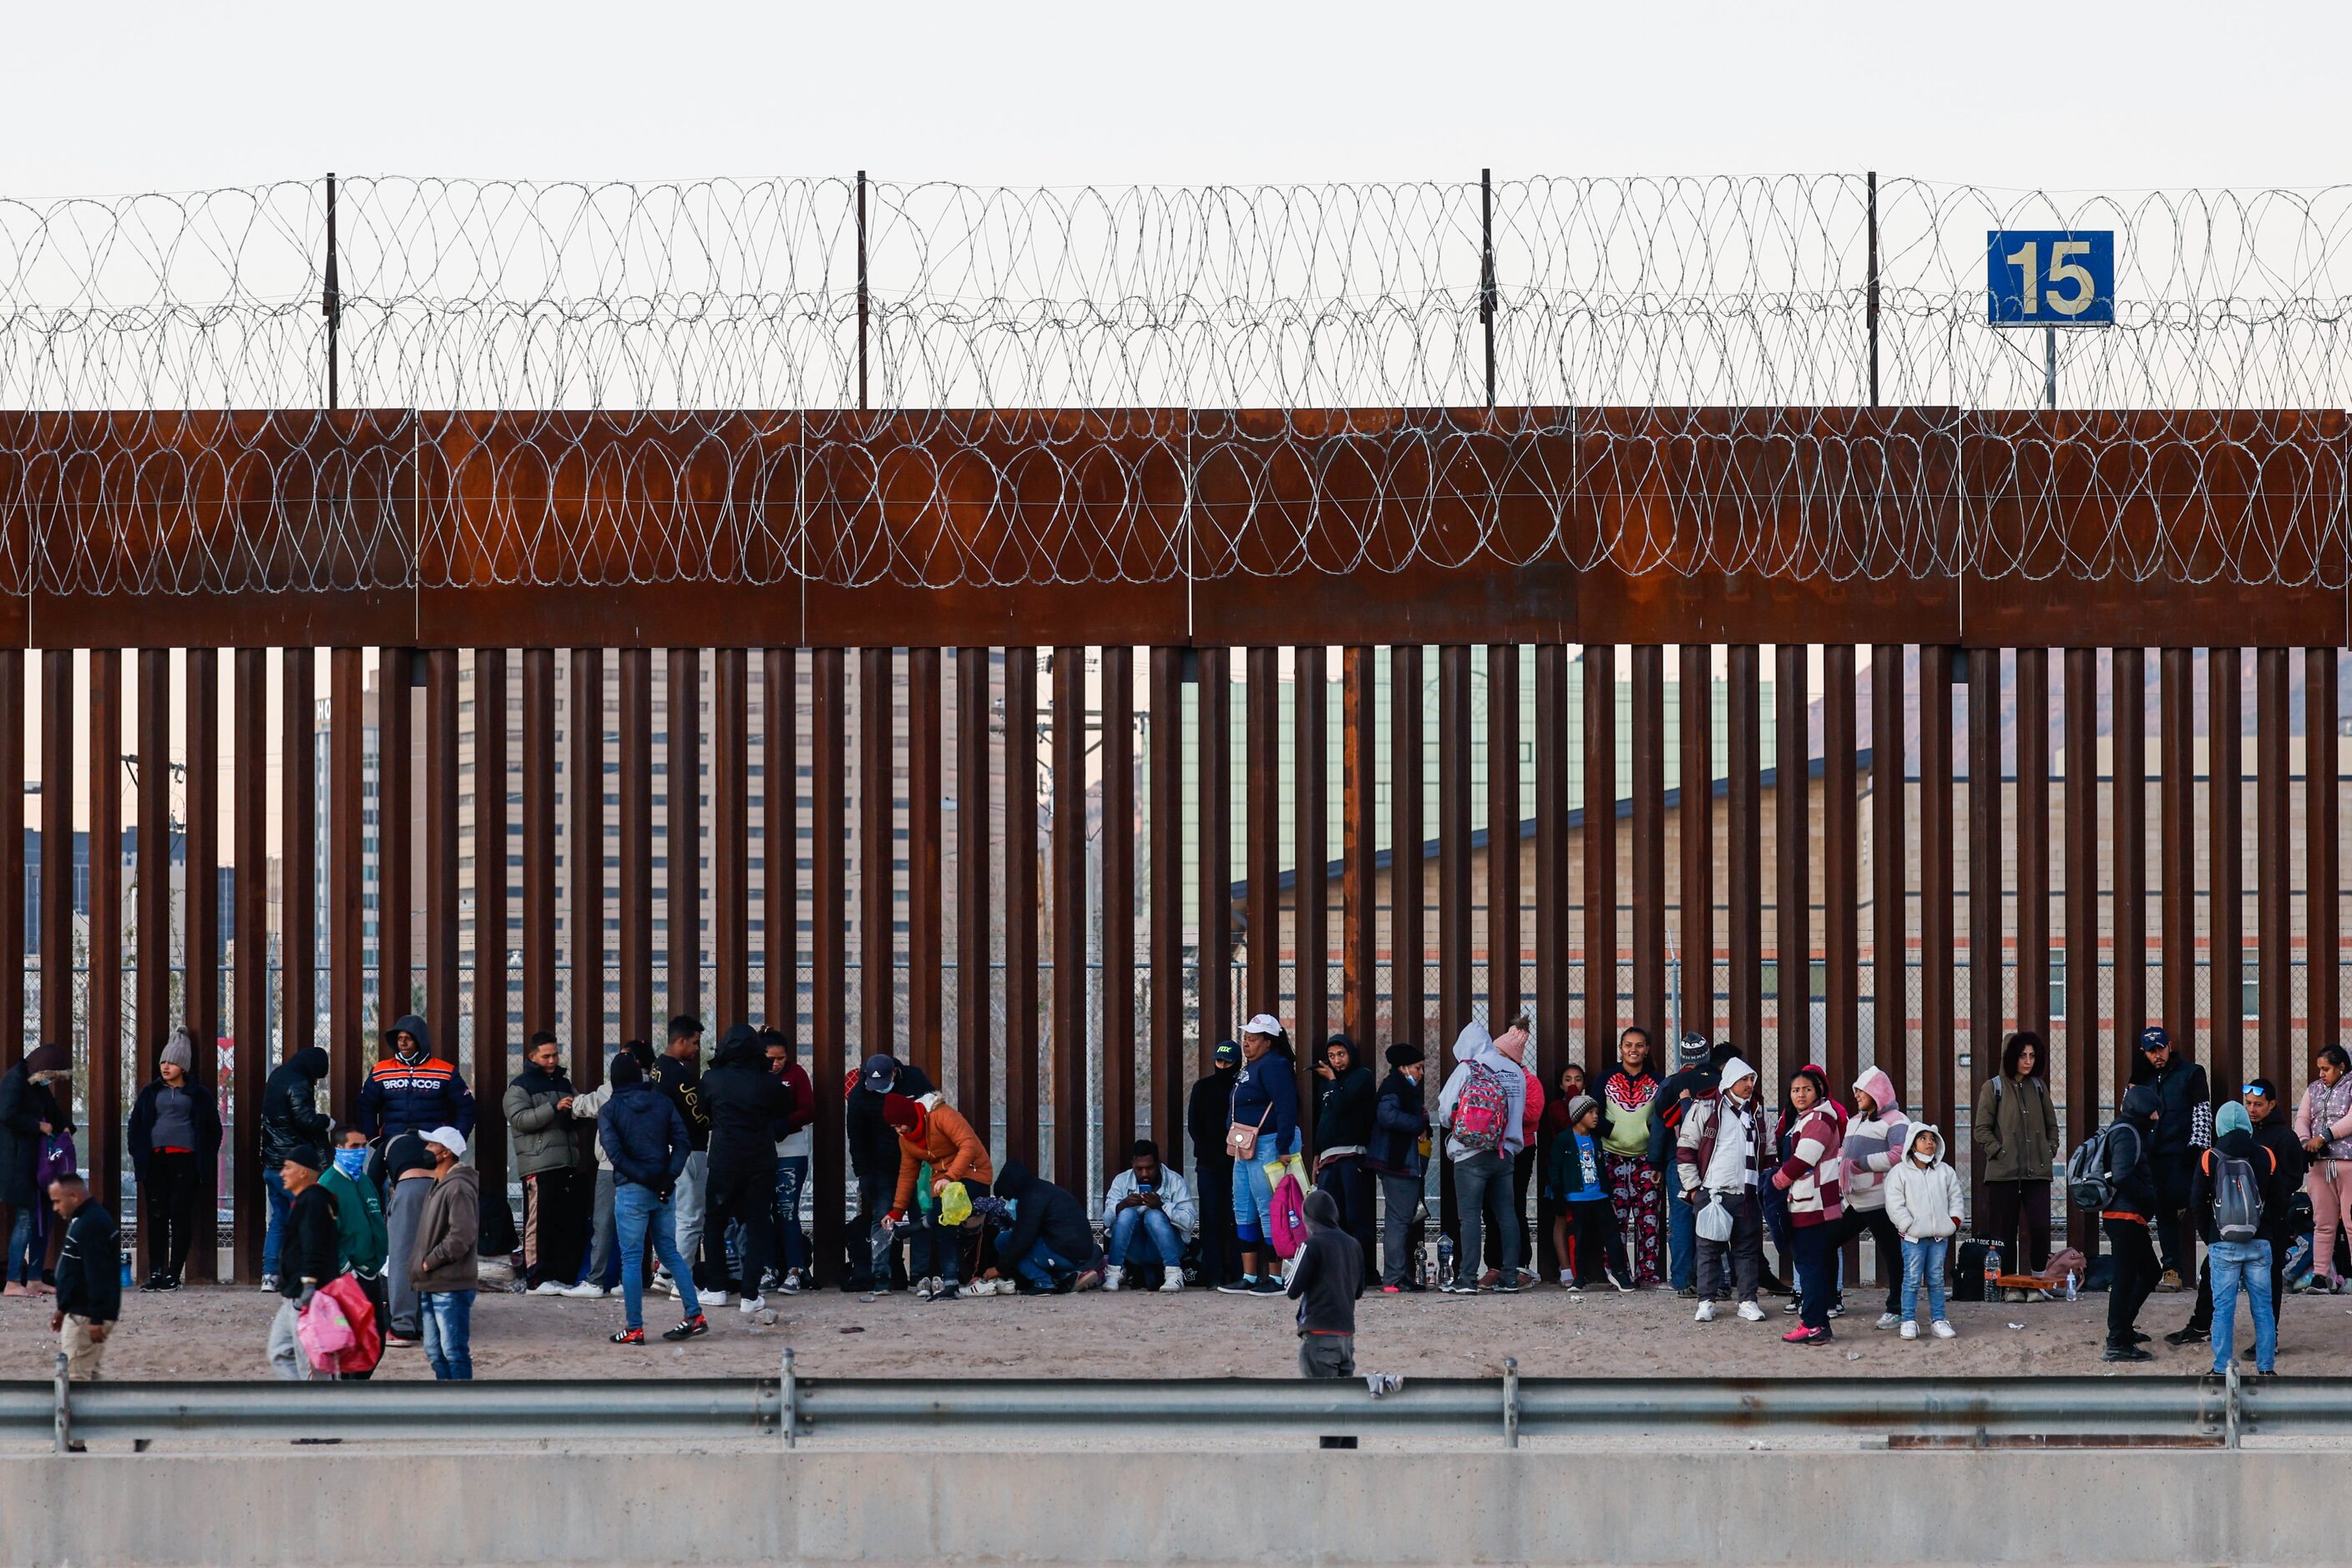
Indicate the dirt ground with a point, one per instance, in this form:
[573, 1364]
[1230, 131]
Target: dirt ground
[219, 1332]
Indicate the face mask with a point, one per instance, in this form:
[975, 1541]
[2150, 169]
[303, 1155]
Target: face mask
[351, 1162]
[1923, 1156]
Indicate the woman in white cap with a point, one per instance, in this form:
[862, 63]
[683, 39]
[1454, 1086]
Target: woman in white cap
[174, 1136]
[1266, 1113]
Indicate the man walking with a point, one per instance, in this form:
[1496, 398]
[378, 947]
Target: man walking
[90, 1279]
[537, 1107]
[447, 1269]
[310, 1256]
[1325, 1284]
[361, 1239]
[677, 1074]
[646, 1138]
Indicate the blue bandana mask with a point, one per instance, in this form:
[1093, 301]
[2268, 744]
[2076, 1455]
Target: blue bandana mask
[351, 1162]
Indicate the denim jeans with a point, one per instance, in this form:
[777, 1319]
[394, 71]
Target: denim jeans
[448, 1332]
[1253, 1198]
[25, 1246]
[636, 1214]
[688, 1200]
[1924, 1259]
[280, 1204]
[1816, 1274]
[2243, 1265]
[792, 1174]
[1482, 1190]
[1044, 1267]
[1141, 1236]
[1682, 1242]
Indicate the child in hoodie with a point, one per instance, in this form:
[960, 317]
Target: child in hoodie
[1923, 1200]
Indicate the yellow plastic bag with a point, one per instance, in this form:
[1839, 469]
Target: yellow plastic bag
[955, 1203]
[1290, 1166]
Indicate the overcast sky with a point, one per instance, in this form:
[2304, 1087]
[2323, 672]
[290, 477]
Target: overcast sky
[140, 96]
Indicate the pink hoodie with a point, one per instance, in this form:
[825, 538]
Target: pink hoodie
[1531, 1113]
[1873, 1144]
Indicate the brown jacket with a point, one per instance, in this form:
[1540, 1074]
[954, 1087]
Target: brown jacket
[953, 1149]
[449, 1234]
[2017, 1127]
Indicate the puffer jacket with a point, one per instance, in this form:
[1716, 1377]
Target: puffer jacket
[2185, 1104]
[422, 1094]
[644, 1136]
[1399, 1120]
[744, 1101]
[542, 1134]
[1813, 1193]
[946, 1143]
[289, 1112]
[2016, 1124]
[1875, 1145]
[1924, 1202]
[2327, 1113]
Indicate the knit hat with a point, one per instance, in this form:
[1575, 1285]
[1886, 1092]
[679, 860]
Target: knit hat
[1404, 1054]
[304, 1155]
[1579, 1106]
[902, 1111]
[1693, 1049]
[179, 1051]
[625, 1070]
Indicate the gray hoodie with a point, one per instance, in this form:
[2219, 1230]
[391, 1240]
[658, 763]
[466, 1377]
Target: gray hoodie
[1475, 1045]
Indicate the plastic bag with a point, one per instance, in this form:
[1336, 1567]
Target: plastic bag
[1714, 1222]
[325, 1332]
[955, 1203]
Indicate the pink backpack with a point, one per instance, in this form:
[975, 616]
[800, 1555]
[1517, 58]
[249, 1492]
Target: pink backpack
[1482, 1111]
[1289, 1217]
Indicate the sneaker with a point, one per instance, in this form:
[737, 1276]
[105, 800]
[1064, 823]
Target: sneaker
[1509, 1287]
[790, 1283]
[1087, 1280]
[1267, 1285]
[629, 1337]
[1792, 1307]
[2125, 1352]
[693, 1328]
[1910, 1331]
[1621, 1283]
[1446, 1287]
[2191, 1335]
[712, 1298]
[153, 1282]
[1172, 1280]
[946, 1291]
[1705, 1313]
[1942, 1330]
[1888, 1320]
[661, 1281]
[924, 1286]
[1837, 1309]
[750, 1304]
[546, 1287]
[268, 1282]
[586, 1290]
[1567, 1280]
[1243, 1287]
[2170, 1282]
[1465, 1289]
[1803, 1336]
[1688, 1292]
[1749, 1312]
[2266, 1372]
[2140, 1338]
[400, 1341]
[1112, 1274]
[1385, 1289]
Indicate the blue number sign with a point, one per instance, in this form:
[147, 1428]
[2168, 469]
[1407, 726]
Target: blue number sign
[2050, 278]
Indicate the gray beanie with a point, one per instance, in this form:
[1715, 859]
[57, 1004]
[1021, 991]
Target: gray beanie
[1579, 1106]
[179, 1051]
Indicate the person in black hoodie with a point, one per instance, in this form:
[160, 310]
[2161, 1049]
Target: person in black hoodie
[89, 1279]
[874, 1261]
[2273, 1130]
[290, 1120]
[1050, 1245]
[744, 1101]
[1400, 1122]
[1325, 1284]
[2184, 1128]
[1344, 1124]
[2126, 1220]
[29, 1114]
[1208, 1116]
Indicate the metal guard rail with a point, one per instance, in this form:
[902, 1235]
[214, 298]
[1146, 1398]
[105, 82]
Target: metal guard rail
[791, 1406]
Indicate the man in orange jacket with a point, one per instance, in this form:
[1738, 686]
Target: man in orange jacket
[931, 1131]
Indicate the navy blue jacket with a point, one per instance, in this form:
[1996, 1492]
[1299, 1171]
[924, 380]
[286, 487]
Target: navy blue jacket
[422, 1095]
[644, 1136]
[1268, 1089]
[1044, 1212]
[1399, 1119]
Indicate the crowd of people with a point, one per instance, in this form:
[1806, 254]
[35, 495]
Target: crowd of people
[671, 1179]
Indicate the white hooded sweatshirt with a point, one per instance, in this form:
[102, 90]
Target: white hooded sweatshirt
[1924, 1201]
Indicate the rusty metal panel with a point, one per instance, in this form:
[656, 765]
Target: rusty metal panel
[1454, 894]
[682, 889]
[1215, 753]
[537, 839]
[828, 1049]
[730, 834]
[2323, 924]
[1554, 1047]
[394, 841]
[1311, 855]
[590, 955]
[924, 790]
[1840, 868]
[1743, 825]
[1890, 877]
[58, 770]
[2133, 521]
[12, 856]
[2032, 843]
[877, 884]
[1068, 1080]
[1165, 738]
[1505, 923]
[491, 946]
[2225, 816]
[156, 1014]
[779, 818]
[1262, 842]
[1119, 914]
[635, 968]
[1695, 885]
[2128, 843]
[2081, 807]
[2275, 933]
[974, 1094]
[1408, 921]
[102, 1115]
[202, 914]
[347, 1052]
[299, 837]
[249, 812]
[441, 851]
[1985, 881]
[1650, 847]
[2176, 851]
[1021, 905]
[1939, 1039]
[1793, 845]
[1359, 847]
[1601, 997]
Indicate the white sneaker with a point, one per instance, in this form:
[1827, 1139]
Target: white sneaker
[1622, 1284]
[1112, 1274]
[1942, 1330]
[586, 1290]
[1705, 1312]
[1888, 1320]
[1567, 1280]
[269, 1282]
[750, 1304]
[1172, 1280]
[1910, 1331]
[1749, 1312]
[548, 1288]
[712, 1298]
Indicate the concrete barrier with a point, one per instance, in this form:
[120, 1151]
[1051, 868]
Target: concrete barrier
[935, 1507]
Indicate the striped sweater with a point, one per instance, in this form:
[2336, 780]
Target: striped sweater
[1814, 1194]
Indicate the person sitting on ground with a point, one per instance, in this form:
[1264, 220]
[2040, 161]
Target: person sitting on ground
[2126, 1218]
[1149, 1214]
[174, 1135]
[89, 1279]
[1585, 1237]
[361, 1240]
[1327, 1282]
[1719, 1159]
[1050, 1245]
[934, 1133]
[2239, 1264]
[644, 1134]
[1923, 1200]
[1400, 1134]
[310, 1255]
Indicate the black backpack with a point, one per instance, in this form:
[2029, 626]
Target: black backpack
[2100, 1164]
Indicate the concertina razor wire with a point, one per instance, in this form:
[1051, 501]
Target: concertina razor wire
[614, 383]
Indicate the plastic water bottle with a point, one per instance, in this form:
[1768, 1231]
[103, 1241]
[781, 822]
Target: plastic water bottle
[2070, 1285]
[126, 1265]
[1992, 1273]
[1445, 1260]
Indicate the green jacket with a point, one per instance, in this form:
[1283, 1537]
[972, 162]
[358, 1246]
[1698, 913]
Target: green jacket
[2017, 1127]
[360, 1234]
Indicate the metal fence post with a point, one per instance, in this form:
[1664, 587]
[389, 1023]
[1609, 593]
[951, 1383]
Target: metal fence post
[64, 1405]
[1510, 1402]
[789, 1392]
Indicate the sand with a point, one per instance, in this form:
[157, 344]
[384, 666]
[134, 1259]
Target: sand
[219, 1332]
